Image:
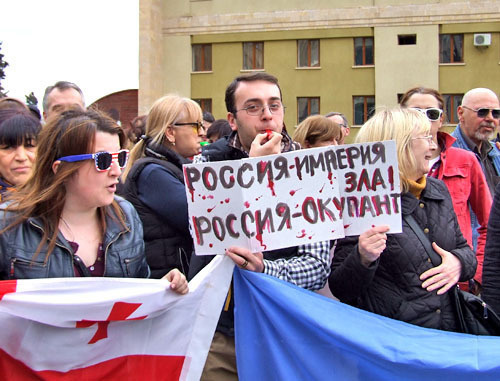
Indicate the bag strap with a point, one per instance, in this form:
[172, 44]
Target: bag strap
[435, 258]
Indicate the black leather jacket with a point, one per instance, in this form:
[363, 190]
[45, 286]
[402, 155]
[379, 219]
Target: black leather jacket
[123, 250]
[391, 285]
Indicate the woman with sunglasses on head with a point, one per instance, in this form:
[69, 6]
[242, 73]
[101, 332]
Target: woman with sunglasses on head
[393, 274]
[66, 220]
[460, 171]
[154, 181]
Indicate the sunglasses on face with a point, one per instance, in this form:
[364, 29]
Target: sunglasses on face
[484, 112]
[432, 113]
[103, 160]
[197, 126]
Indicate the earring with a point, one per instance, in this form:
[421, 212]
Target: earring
[173, 143]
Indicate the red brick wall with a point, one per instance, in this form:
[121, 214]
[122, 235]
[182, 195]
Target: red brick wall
[122, 105]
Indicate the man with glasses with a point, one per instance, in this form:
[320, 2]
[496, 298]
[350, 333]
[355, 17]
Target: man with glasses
[479, 119]
[255, 113]
[341, 120]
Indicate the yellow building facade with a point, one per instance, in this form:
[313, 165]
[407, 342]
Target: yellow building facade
[314, 49]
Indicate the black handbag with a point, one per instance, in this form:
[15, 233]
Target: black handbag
[473, 315]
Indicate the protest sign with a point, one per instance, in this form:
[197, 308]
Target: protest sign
[294, 198]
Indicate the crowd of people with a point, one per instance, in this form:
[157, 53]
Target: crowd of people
[61, 215]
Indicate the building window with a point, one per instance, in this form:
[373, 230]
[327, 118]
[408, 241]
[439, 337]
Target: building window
[451, 102]
[205, 104]
[253, 55]
[363, 108]
[407, 39]
[307, 106]
[308, 53]
[451, 48]
[202, 57]
[363, 51]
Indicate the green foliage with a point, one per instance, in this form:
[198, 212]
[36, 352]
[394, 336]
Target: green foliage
[31, 99]
[3, 65]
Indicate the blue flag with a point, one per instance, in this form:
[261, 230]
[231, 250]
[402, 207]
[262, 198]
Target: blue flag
[287, 333]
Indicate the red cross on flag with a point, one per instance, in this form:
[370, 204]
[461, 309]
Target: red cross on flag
[109, 328]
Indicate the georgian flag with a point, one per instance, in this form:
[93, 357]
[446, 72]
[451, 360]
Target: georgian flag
[109, 328]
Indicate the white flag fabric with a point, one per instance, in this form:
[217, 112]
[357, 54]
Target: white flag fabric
[109, 328]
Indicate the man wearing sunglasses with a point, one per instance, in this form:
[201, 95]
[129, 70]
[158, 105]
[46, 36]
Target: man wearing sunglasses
[255, 113]
[479, 116]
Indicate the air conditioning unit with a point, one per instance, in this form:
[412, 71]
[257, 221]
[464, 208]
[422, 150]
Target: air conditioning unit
[482, 39]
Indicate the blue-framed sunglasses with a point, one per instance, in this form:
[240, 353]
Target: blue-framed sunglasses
[103, 160]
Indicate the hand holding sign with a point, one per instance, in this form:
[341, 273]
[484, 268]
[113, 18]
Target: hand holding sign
[372, 243]
[245, 259]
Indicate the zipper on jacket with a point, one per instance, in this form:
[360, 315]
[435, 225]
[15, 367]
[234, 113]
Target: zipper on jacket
[70, 251]
[109, 244]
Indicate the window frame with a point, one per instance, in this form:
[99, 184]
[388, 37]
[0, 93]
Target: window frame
[254, 52]
[204, 65]
[451, 48]
[363, 58]
[309, 53]
[366, 112]
[450, 116]
[309, 107]
[204, 102]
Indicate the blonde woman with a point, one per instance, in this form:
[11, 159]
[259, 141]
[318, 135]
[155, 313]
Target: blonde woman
[391, 274]
[317, 131]
[154, 182]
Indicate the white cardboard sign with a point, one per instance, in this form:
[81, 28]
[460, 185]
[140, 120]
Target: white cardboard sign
[295, 198]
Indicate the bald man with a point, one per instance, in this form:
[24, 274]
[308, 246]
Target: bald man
[479, 116]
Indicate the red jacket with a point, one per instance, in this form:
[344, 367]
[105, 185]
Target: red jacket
[464, 178]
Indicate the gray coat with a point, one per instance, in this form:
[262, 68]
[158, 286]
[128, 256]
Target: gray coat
[123, 249]
[391, 285]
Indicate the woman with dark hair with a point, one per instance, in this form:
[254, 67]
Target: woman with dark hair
[66, 220]
[154, 181]
[218, 129]
[18, 137]
[461, 172]
[392, 274]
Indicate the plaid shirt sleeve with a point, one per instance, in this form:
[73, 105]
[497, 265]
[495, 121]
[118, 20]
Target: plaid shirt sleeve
[309, 269]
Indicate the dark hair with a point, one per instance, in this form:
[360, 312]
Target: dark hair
[422, 90]
[18, 128]
[333, 113]
[61, 85]
[137, 128]
[219, 128]
[43, 195]
[35, 112]
[208, 117]
[231, 89]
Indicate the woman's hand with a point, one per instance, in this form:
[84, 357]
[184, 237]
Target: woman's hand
[372, 243]
[178, 282]
[444, 276]
[245, 259]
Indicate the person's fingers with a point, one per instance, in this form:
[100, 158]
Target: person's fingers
[435, 282]
[241, 259]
